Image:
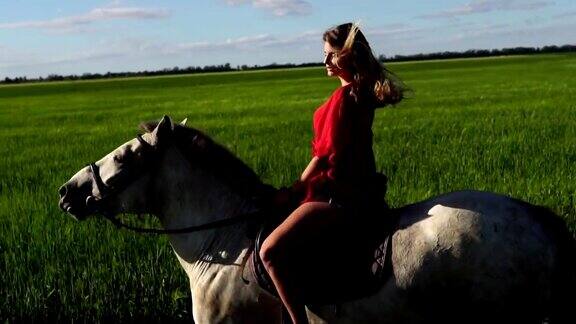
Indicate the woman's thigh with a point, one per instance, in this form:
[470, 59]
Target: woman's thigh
[317, 236]
[310, 224]
[319, 245]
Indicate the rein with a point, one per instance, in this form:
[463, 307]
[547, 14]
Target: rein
[190, 229]
[106, 191]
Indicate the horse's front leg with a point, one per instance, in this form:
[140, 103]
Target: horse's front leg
[221, 296]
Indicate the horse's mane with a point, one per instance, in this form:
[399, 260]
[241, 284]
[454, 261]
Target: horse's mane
[200, 149]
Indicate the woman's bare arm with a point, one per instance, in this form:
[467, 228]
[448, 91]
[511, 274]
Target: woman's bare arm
[309, 169]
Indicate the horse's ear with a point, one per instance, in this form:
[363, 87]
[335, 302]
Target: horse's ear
[163, 131]
[183, 122]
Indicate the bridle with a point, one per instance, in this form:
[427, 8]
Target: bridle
[106, 192]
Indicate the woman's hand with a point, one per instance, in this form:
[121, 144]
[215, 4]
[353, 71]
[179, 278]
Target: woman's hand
[290, 197]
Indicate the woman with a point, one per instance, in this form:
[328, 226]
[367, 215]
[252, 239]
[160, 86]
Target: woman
[340, 183]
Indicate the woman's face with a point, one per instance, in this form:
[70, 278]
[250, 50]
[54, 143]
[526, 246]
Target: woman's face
[331, 61]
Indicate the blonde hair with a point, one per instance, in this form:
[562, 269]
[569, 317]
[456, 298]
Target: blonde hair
[371, 82]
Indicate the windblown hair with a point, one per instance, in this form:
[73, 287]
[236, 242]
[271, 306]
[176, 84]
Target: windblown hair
[372, 82]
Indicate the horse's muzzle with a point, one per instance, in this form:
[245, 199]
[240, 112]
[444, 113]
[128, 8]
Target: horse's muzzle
[73, 203]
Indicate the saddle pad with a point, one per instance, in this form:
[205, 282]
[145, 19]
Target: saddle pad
[380, 270]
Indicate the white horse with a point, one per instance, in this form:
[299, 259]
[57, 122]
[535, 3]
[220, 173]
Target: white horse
[463, 257]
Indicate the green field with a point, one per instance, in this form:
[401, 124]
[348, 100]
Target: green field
[506, 125]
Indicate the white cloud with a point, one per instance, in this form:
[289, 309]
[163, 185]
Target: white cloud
[393, 31]
[97, 14]
[483, 6]
[124, 53]
[137, 49]
[248, 43]
[16, 59]
[543, 31]
[512, 36]
[239, 43]
[115, 3]
[566, 14]
[13, 57]
[278, 7]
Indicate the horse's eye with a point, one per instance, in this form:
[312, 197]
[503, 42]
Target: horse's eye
[118, 159]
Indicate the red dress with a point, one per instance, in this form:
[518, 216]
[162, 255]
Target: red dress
[343, 143]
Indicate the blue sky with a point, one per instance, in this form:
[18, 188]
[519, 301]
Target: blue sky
[39, 37]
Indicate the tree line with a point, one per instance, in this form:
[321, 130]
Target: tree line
[227, 67]
[481, 53]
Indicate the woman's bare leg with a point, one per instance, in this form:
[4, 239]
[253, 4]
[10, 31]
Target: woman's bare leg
[279, 252]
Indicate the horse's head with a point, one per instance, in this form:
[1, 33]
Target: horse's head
[117, 183]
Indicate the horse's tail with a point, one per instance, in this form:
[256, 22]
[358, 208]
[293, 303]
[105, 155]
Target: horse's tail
[564, 276]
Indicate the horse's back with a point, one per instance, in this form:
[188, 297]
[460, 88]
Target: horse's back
[471, 252]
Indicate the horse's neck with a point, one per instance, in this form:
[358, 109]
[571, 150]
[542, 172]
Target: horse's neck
[193, 197]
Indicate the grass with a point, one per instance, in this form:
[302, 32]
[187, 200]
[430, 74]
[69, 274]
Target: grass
[506, 125]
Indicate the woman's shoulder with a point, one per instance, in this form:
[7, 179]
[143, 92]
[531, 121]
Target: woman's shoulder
[341, 95]
[345, 98]
[342, 91]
